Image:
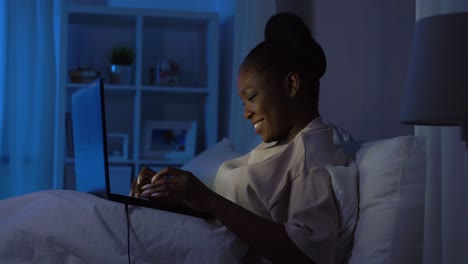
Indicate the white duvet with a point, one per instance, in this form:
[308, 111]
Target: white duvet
[59, 226]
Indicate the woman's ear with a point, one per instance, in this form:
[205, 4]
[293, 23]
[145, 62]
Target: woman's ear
[292, 83]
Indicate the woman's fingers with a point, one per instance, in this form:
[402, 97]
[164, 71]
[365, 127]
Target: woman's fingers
[143, 180]
[144, 177]
[177, 185]
[164, 186]
[160, 184]
[168, 173]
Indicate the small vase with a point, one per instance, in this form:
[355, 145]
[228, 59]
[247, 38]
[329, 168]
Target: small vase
[121, 74]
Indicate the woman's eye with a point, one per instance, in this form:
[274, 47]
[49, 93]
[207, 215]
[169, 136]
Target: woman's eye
[251, 98]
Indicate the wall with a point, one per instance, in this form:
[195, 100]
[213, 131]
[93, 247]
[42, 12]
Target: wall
[367, 47]
[302, 8]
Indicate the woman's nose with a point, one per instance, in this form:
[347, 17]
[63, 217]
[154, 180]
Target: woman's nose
[248, 113]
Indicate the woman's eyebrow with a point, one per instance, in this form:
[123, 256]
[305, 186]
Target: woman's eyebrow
[245, 91]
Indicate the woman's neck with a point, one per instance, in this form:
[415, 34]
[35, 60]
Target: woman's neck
[298, 127]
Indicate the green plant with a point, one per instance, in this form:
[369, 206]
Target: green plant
[122, 55]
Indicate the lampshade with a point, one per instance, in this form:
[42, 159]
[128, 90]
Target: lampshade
[435, 91]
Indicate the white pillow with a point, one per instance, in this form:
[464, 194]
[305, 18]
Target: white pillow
[392, 176]
[205, 165]
[345, 186]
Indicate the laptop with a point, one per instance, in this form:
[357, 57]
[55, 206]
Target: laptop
[90, 146]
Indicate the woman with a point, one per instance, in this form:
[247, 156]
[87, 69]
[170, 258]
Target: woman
[278, 198]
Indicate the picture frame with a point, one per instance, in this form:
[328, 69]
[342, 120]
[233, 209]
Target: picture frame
[117, 146]
[168, 140]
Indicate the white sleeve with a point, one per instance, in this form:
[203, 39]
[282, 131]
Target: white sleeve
[313, 223]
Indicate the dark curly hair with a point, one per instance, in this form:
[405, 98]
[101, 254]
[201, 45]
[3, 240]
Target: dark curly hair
[291, 29]
[289, 47]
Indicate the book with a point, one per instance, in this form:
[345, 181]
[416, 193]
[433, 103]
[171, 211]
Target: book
[69, 135]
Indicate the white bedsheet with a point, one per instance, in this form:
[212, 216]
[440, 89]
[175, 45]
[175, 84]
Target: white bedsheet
[59, 226]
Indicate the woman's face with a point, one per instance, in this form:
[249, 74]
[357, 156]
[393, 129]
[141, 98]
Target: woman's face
[265, 104]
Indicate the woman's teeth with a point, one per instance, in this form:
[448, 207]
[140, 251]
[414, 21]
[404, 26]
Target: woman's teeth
[257, 124]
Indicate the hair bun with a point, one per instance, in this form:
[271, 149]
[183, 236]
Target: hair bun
[291, 30]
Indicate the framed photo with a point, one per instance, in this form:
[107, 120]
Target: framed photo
[169, 140]
[117, 146]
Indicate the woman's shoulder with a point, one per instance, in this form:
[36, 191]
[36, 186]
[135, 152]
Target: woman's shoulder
[315, 144]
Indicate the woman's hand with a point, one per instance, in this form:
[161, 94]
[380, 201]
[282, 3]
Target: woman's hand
[144, 177]
[177, 185]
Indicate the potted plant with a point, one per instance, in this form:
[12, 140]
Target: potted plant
[121, 69]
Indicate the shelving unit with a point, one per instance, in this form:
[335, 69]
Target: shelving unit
[188, 38]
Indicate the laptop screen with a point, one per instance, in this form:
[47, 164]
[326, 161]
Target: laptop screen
[89, 139]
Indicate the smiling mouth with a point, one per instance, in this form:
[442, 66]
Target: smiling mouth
[258, 123]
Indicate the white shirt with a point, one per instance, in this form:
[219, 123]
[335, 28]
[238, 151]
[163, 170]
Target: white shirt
[289, 184]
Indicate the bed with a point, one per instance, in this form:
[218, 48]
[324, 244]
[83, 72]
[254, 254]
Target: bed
[384, 211]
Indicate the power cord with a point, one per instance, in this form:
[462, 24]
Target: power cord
[128, 233]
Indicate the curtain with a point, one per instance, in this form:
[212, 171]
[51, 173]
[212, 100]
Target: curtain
[250, 21]
[28, 85]
[446, 211]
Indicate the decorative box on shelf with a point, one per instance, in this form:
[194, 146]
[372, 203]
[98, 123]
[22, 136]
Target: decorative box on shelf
[83, 75]
[165, 73]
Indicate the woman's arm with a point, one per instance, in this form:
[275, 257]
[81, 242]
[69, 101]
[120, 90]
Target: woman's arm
[265, 237]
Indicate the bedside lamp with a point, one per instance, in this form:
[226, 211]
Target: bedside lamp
[435, 94]
[435, 91]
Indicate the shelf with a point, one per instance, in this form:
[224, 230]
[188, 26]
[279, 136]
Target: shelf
[190, 39]
[103, 20]
[132, 88]
[71, 161]
[121, 162]
[171, 89]
[163, 162]
[110, 87]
